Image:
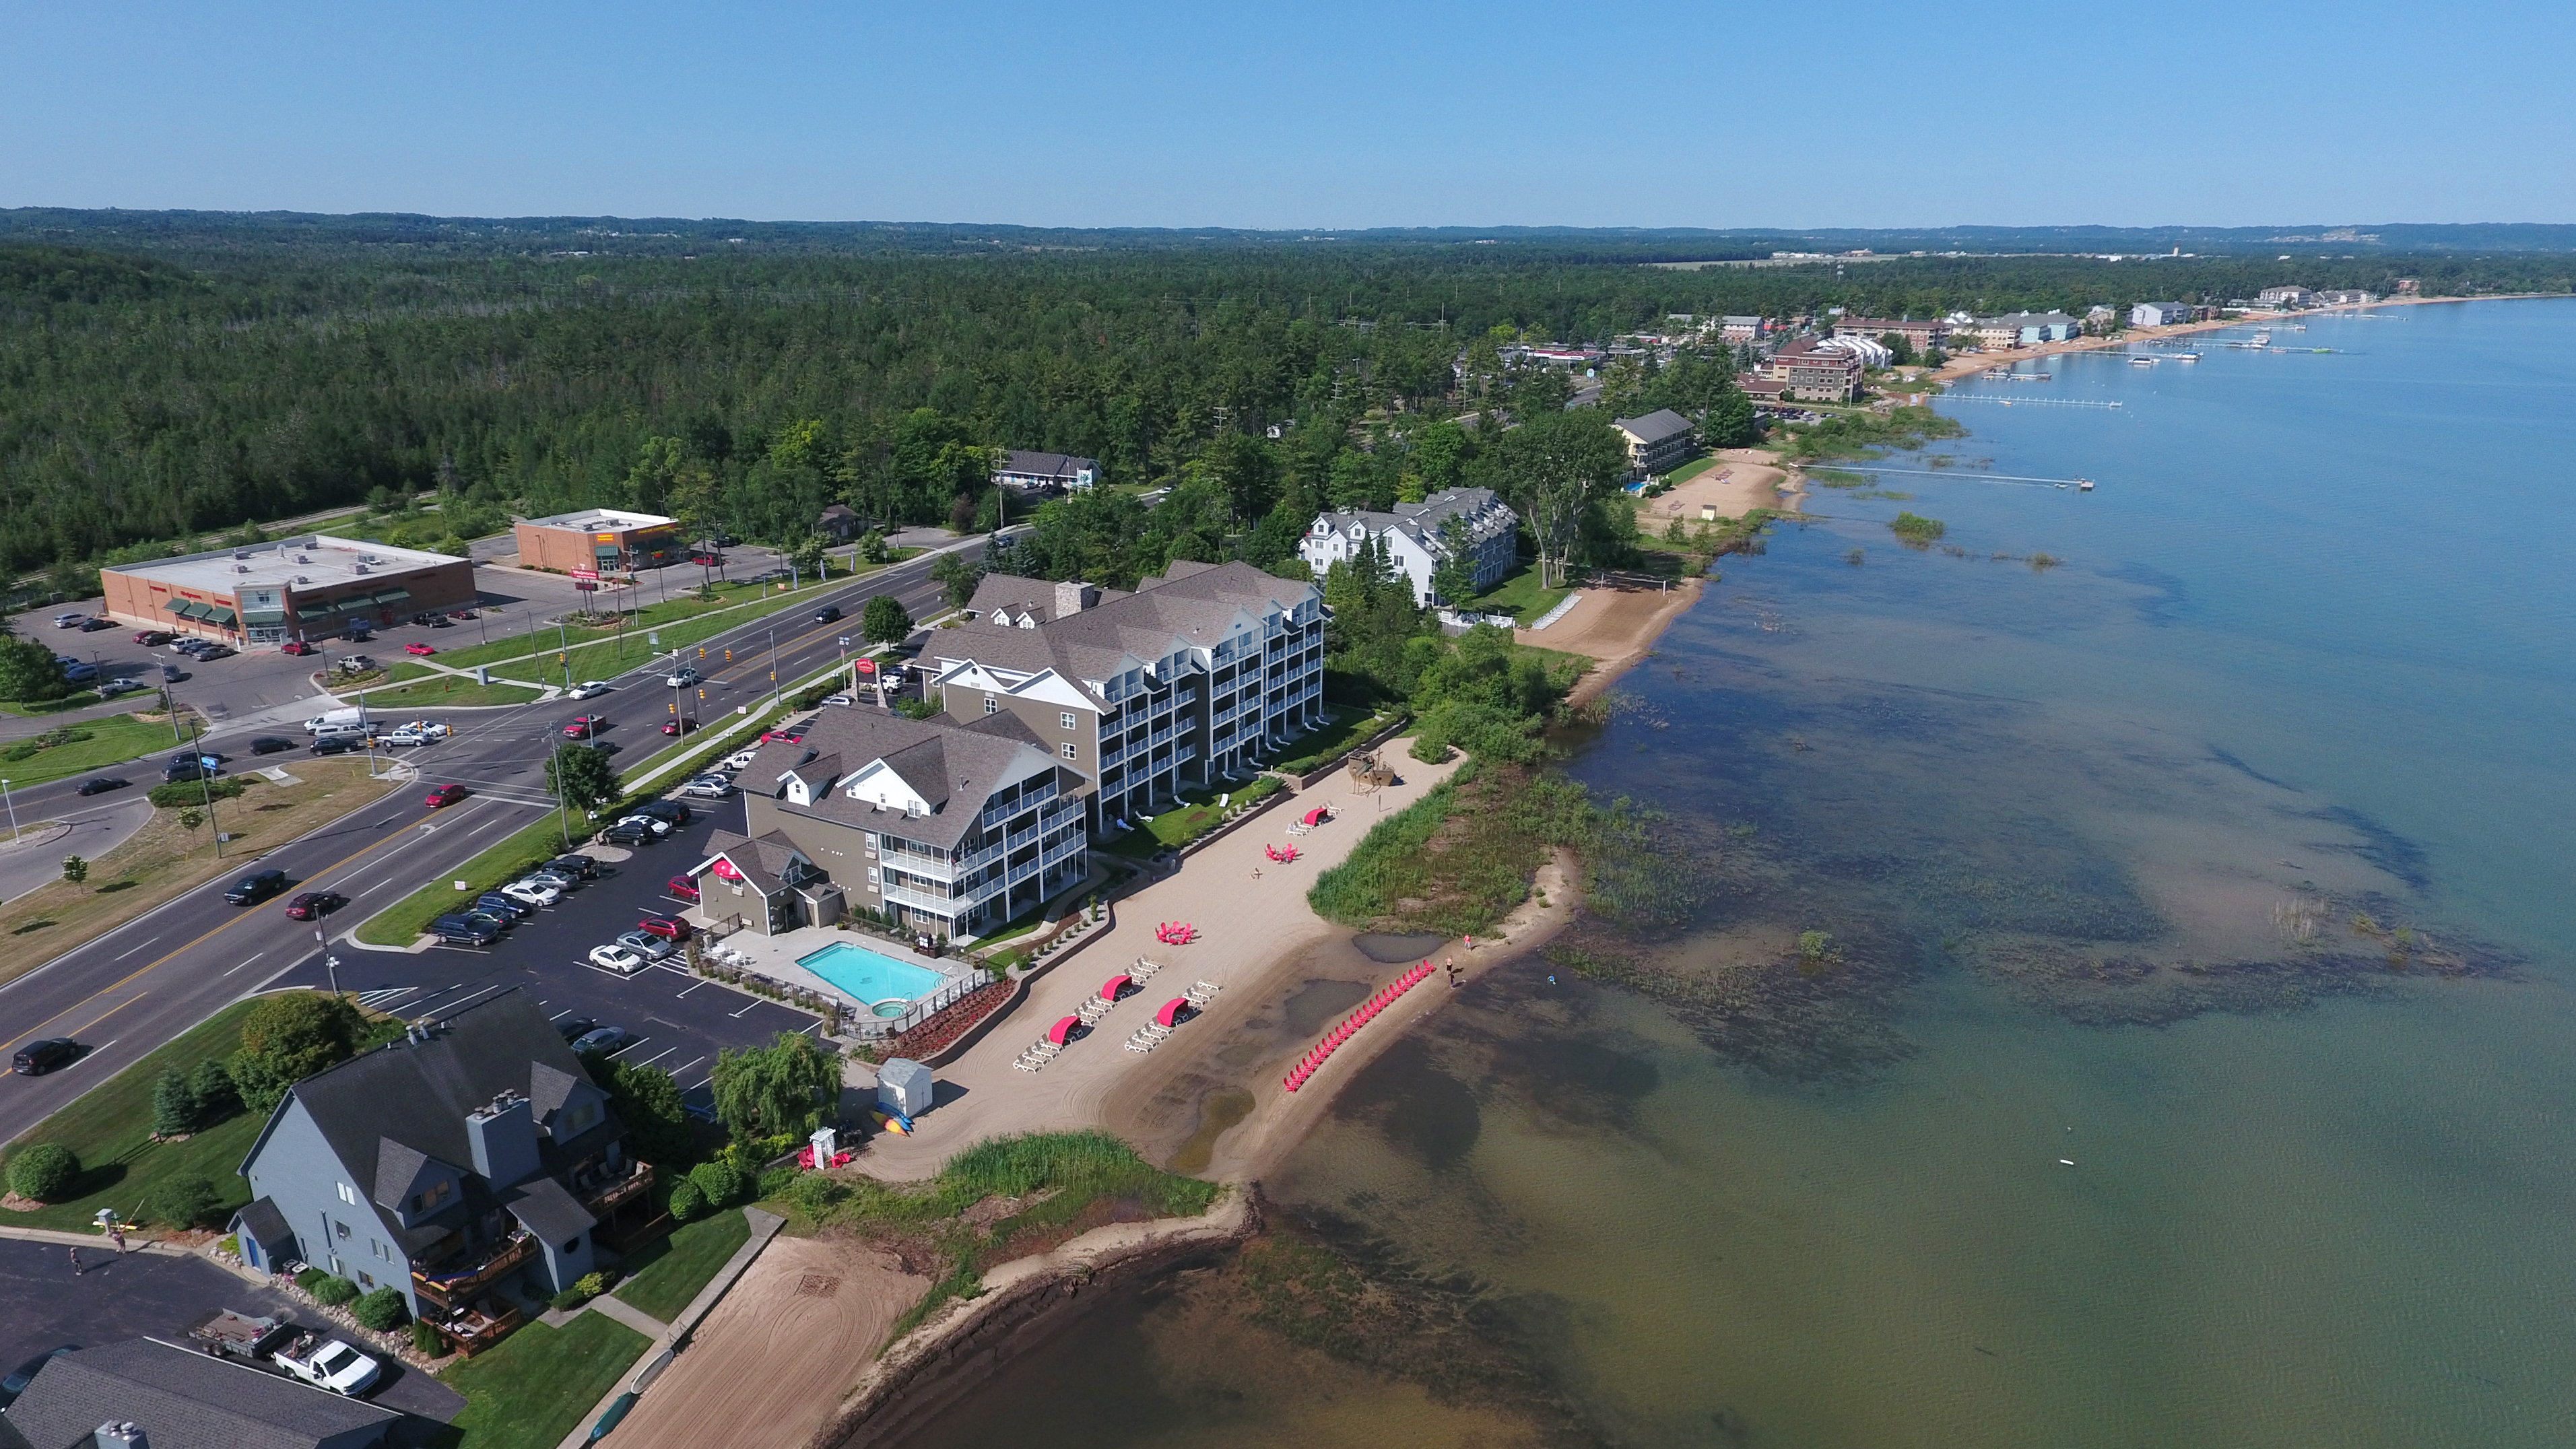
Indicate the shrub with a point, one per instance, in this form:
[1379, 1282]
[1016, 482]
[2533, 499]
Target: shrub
[333, 1291]
[1917, 530]
[591, 1285]
[775, 1180]
[212, 1087]
[187, 1201]
[687, 1202]
[43, 1172]
[570, 1298]
[718, 1183]
[174, 1105]
[311, 1279]
[427, 1340]
[289, 1037]
[194, 792]
[382, 1310]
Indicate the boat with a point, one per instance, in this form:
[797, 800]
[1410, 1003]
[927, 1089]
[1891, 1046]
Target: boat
[2083, 485]
[2142, 362]
[2186, 357]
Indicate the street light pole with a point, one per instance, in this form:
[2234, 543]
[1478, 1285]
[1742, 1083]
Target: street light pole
[773, 661]
[330, 962]
[13, 809]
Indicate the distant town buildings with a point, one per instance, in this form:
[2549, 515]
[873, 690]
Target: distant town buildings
[1870, 351]
[2159, 314]
[1741, 329]
[1036, 472]
[1918, 334]
[2286, 297]
[1657, 442]
[597, 541]
[2346, 298]
[1416, 537]
[2024, 329]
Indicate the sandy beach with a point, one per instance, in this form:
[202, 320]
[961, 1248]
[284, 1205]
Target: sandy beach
[1974, 363]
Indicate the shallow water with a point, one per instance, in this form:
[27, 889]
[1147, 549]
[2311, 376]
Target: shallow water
[2094, 1120]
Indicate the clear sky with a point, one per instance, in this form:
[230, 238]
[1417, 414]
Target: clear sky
[1328, 114]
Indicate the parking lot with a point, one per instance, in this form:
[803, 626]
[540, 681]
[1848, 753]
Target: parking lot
[679, 1021]
[157, 1296]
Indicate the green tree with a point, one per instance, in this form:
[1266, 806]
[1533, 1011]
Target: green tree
[189, 1200]
[1899, 344]
[781, 1088]
[808, 555]
[174, 1106]
[647, 1100]
[75, 869]
[582, 777]
[1453, 578]
[884, 620]
[211, 1088]
[29, 672]
[1555, 469]
[1243, 467]
[383, 1310]
[289, 1037]
[872, 549]
[957, 577]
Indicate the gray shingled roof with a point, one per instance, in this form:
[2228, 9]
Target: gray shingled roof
[182, 1400]
[1059, 466]
[548, 1211]
[953, 768]
[396, 1167]
[1422, 522]
[1191, 604]
[1655, 426]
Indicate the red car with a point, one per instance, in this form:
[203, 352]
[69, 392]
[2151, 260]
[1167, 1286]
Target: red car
[296, 646]
[585, 727]
[682, 886]
[791, 735]
[446, 795]
[678, 726]
[669, 928]
[418, 649]
[313, 905]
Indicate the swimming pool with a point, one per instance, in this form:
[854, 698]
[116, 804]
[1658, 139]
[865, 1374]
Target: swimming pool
[877, 980]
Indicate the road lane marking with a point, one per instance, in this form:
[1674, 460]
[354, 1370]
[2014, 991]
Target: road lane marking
[246, 960]
[130, 950]
[630, 1046]
[111, 1011]
[96, 1051]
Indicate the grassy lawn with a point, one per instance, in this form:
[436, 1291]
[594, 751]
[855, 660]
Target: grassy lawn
[37, 709]
[110, 1130]
[668, 1274]
[681, 621]
[112, 741]
[162, 859]
[416, 686]
[534, 1388]
[1189, 820]
[1344, 729]
[1519, 595]
[1692, 469]
[402, 923]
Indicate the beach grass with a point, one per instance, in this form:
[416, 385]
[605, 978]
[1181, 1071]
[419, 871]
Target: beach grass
[532, 1390]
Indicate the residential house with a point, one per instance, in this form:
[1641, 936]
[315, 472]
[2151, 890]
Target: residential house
[1046, 472]
[2342, 298]
[2286, 298]
[143, 1393]
[2159, 314]
[1809, 371]
[2024, 329]
[1657, 442]
[475, 1148]
[840, 523]
[1741, 329]
[950, 829]
[1417, 537]
[1194, 676]
[1919, 334]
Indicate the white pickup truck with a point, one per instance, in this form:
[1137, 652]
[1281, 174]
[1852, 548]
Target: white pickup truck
[327, 1363]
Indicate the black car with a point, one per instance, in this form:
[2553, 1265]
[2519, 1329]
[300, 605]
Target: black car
[493, 919]
[172, 674]
[628, 833]
[575, 1027]
[335, 745]
[465, 931]
[25, 1373]
[672, 811]
[827, 613]
[258, 886]
[497, 904]
[181, 771]
[214, 652]
[574, 865]
[92, 626]
[39, 1057]
[269, 745]
[101, 785]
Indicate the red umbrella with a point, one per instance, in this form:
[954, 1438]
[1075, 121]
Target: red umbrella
[1170, 1015]
[1315, 816]
[1110, 988]
[1062, 1031]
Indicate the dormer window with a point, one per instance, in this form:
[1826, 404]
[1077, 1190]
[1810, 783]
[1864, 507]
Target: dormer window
[431, 1199]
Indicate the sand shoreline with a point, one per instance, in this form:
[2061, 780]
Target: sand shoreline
[1974, 363]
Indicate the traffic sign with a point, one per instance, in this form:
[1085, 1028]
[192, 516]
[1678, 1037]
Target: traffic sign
[587, 586]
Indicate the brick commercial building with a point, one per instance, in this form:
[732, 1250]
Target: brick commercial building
[1811, 373]
[302, 588]
[599, 540]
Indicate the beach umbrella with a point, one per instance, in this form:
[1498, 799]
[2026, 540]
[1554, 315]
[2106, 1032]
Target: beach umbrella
[1062, 1031]
[1110, 988]
[1170, 1015]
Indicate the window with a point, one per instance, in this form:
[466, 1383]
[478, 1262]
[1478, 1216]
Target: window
[1068, 749]
[990, 704]
[348, 1195]
[1065, 718]
[342, 1227]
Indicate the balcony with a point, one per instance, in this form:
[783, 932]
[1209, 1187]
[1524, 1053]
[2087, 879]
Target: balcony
[457, 1283]
[608, 1199]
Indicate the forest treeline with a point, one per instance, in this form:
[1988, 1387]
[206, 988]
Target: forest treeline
[150, 391]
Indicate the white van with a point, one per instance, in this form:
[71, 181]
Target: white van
[353, 717]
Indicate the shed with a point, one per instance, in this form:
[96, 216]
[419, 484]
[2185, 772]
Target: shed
[904, 1085]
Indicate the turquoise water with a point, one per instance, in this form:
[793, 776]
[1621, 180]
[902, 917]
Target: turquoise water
[2188, 1057]
[870, 977]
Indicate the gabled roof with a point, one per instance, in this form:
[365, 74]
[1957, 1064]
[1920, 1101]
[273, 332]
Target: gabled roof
[183, 1400]
[1046, 465]
[1655, 426]
[953, 769]
[765, 863]
[547, 1210]
[1190, 605]
[397, 1167]
[1485, 512]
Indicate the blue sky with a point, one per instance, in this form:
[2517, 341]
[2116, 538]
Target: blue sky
[1325, 115]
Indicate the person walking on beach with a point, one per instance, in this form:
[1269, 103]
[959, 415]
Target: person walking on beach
[1452, 965]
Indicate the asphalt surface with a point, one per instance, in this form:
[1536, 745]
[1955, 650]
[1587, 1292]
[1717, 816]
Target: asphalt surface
[154, 1295]
[678, 1021]
[144, 983]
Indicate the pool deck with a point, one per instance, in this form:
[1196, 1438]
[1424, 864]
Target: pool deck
[775, 956]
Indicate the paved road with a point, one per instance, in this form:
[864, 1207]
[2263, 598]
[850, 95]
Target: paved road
[99, 826]
[146, 982]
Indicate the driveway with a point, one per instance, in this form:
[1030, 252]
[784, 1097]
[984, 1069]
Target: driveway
[154, 1295]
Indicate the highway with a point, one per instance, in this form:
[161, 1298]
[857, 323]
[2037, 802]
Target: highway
[143, 984]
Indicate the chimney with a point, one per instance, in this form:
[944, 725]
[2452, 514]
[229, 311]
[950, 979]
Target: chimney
[1073, 598]
[504, 1139]
[114, 1435]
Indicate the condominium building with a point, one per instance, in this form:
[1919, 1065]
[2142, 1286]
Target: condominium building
[1810, 372]
[2286, 297]
[1741, 329]
[1192, 677]
[1657, 442]
[2159, 314]
[1918, 334]
[1417, 537]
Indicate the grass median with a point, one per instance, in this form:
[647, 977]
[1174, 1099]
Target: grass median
[532, 1389]
[85, 746]
[598, 651]
[415, 686]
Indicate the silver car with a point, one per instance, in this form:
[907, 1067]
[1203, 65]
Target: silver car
[647, 945]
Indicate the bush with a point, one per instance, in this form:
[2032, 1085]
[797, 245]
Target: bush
[719, 1184]
[43, 1172]
[311, 1280]
[289, 1037]
[591, 1285]
[184, 793]
[427, 1341]
[333, 1291]
[687, 1202]
[568, 1299]
[775, 1180]
[187, 1201]
[382, 1310]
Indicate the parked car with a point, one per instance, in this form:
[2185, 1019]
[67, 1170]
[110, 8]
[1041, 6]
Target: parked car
[603, 1039]
[464, 931]
[681, 678]
[314, 905]
[708, 787]
[617, 959]
[647, 945]
[92, 626]
[68, 621]
[39, 1057]
[576, 1027]
[119, 685]
[843, 700]
[579, 867]
[670, 812]
[669, 928]
[80, 673]
[678, 725]
[706, 560]
[659, 828]
[740, 761]
[102, 785]
[296, 646]
[336, 745]
[585, 727]
[532, 892]
[498, 920]
[327, 1363]
[589, 689]
[631, 831]
[356, 664]
[682, 886]
[417, 647]
[258, 886]
[460, 613]
[493, 903]
[269, 745]
[446, 795]
[153, 638]
[213, 652]
[827, 614]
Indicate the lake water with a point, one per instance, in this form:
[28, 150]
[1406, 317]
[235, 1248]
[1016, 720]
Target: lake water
[2186, 1055]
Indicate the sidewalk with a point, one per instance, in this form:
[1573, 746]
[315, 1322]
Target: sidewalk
[668, 1339]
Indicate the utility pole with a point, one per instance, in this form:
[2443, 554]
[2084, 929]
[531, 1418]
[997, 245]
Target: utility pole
[13, 809]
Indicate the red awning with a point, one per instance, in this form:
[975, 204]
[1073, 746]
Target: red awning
[1170, 1015]
[1315, 816]
[1062, 1031]
[1110, 988]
